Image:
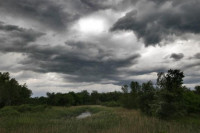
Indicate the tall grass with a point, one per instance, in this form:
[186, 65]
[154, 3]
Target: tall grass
[103, 120]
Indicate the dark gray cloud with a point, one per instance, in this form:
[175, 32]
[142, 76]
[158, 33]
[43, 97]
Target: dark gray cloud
[16, 39]
[102, 58]
[145, 72]
[73, 62]
[161, 19]
[191, 66]
[56, 15]
[47, 12]
[197, 56]
[96, 4]
[177, 56]
[84, 61]
[4, 27]
[192, 79]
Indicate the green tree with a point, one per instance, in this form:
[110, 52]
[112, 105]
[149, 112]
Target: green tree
[135, 87]
[125, 88]
[134, 94]
[11, 93]
[125, 98]
[191, 102]
[148, 98]
[171, 93]
[84, 97]
[197, 89]
[95, 97]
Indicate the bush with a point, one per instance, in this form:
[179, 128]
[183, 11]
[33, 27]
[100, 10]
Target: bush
[111, 104]
[192, 102]
[30, 108]
[8, 111]
[23, 108]
[16, 110]
[129, 101]
[148, 99]
[40, 108]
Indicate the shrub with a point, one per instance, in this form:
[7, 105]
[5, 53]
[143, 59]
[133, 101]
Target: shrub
[30, 108]
[111, 104]
[8, 111]
[23, 108]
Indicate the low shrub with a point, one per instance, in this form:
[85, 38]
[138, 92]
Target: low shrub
[111, 104]
[30, 108]
[8, 111]
[16, 110]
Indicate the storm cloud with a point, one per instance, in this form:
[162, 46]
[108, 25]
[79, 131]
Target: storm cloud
[56, 15]
[177, 56]
[76, 61]
[46, 12]
[156, 20]
[16, 39]
[197, 56]
[97, 44]
[85, 61]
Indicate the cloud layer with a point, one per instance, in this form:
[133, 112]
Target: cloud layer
[156, 20]
[70, 45]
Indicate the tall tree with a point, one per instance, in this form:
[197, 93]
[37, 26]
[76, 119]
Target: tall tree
[11, 93]
[197, 89]
[135, 87]
[171, 93]
[125, 88]
[148, 98]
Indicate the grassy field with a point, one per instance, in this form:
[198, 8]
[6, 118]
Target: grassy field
[103, 120]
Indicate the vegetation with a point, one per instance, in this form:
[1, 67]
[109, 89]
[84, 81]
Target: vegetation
[11, 93]
[103, 120]
[80, 98]
[167, 100]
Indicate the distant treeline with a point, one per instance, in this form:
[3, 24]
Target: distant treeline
[168, 98]
[79, 98]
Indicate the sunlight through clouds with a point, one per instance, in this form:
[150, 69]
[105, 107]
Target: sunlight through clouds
[92, 25]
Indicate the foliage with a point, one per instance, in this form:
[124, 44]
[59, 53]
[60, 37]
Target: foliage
[125, 88]
[191, 102]
[111, 104]
[168, 100]
[11, 92]
[171, 94]
[148, 98]
[8, 111]
[17, 110]
[197, 89]
[103, 120]
[135, 87]
[79, 98]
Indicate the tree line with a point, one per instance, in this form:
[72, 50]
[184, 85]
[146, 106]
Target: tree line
[79, 98]
[166, 99]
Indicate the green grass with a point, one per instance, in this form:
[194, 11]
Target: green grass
[103, 120]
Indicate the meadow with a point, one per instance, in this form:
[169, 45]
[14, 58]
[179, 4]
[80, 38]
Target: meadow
[47, 119]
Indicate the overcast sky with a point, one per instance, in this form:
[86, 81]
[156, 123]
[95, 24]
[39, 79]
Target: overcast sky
[72, 45]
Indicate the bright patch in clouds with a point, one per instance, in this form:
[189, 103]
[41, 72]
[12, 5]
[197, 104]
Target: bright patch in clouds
[92, 25]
